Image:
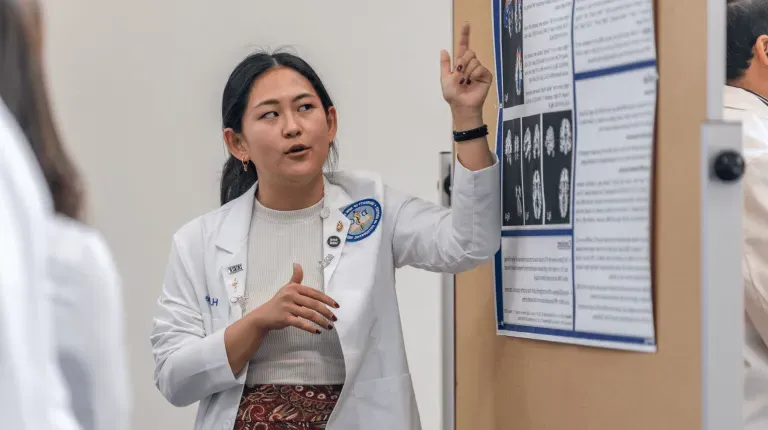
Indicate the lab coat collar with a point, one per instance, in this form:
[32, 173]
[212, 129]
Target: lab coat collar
[740, 99]
[234, 231]
[233, 239]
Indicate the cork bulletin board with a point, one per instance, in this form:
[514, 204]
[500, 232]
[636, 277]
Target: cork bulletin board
[521, 384]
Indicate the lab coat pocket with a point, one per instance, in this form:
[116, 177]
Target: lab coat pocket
[386, 403]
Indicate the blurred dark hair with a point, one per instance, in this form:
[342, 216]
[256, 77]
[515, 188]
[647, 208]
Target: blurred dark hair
[747, 20]
[23, 90]
[234, 180]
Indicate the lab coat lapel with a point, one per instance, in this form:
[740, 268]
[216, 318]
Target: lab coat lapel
[233, 274]
[335, 228]
[232, 244]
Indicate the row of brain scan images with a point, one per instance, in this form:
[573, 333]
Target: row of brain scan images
[537, 170]
[512, 52]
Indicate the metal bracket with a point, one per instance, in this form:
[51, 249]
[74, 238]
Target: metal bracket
[447, 304]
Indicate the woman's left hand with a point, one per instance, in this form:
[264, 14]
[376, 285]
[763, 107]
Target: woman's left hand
[466, 85]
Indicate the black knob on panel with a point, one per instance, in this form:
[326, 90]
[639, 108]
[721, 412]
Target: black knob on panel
[729, 165]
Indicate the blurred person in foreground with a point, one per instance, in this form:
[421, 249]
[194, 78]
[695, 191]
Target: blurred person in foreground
[83, 300]
[746, 101]
[32, 392]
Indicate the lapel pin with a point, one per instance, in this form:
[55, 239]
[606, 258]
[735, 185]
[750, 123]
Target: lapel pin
[339, 226]
[241, 300]
[326, 261]
[234, 284]
[334, 241]
[234, 269]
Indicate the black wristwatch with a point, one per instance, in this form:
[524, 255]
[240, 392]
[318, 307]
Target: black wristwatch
[461, 136]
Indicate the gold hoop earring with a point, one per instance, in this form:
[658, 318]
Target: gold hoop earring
[245, 165]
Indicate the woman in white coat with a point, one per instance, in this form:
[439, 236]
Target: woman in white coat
[746, 101]
[278, 310]
[82, 290]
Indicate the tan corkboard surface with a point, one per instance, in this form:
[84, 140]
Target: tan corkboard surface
[517, 384]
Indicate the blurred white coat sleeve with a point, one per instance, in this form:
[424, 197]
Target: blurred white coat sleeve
[89, 326]
[755, 225]
[32, 393]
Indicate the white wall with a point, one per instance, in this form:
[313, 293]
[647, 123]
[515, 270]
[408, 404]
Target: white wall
[136, 86]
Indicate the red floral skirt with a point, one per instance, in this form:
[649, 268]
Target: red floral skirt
[286, 407]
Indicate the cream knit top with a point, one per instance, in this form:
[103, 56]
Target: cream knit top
[276, 240]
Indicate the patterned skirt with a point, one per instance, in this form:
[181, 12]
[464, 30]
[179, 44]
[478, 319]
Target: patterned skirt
[286, 407]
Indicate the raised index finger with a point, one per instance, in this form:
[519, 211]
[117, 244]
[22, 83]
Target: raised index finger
[463, 40]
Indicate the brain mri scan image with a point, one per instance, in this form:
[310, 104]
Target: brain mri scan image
[510, 27]
[564, 193]
[549, 141]
[527, 144]
[518, 72]
[510, 16]
[538, 197]
[557, 167]
[536, 143]
[508, 147]
[566, 141]
[514, 198]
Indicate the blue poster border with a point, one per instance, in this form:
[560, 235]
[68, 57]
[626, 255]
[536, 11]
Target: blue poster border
[522, 330]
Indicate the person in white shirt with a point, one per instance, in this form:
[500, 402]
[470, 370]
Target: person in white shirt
[746, 101]
[83, 298]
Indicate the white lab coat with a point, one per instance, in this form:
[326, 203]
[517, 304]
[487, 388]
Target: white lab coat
[195, 304]
[88, 315]
[748, 109]
[32, 392]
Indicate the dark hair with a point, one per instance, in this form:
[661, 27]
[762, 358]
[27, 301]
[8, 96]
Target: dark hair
[747, 20]
[22, 89]
[235, 181]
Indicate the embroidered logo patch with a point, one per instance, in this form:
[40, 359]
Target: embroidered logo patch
[365, 216]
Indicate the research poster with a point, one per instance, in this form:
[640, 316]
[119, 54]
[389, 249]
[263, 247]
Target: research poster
[577, 105]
